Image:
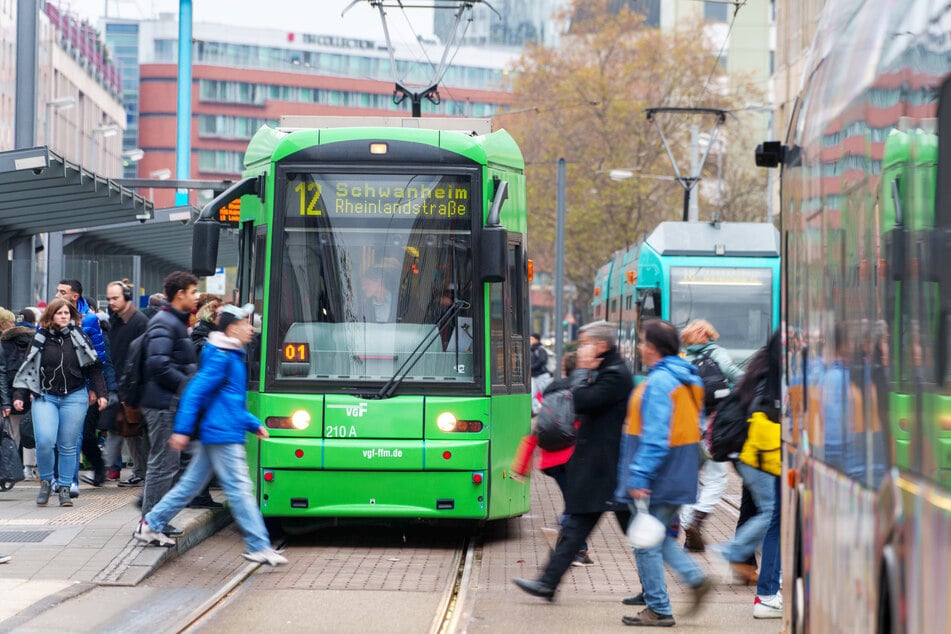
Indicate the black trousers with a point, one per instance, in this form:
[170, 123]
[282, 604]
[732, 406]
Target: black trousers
[747, 510]
[575, 532]
[90, 446]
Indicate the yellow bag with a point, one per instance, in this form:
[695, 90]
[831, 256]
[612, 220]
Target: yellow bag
[763, 444]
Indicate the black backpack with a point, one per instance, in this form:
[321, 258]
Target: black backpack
[727, 429]
[715, 384]
[555, 425]
[132, 381]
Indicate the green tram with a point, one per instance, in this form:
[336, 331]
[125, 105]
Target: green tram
[386, 261]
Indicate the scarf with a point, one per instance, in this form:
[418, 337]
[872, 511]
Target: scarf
[29, 374]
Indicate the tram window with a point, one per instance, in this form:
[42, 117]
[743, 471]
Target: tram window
[517, 282]
[256, 297]
[497, 334]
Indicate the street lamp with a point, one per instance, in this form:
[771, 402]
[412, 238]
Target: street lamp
[107, 130]
[132, 156]
[62, 103]
[162, 175]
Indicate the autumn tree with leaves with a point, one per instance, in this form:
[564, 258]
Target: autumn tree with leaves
[585, 101]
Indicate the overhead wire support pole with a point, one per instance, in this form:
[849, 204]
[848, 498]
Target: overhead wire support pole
[688, 182]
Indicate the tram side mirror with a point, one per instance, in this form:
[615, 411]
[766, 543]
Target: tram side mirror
[769, 154]
[205, 233]
[493, 254]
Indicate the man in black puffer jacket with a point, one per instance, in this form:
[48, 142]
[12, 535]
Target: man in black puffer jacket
[601, 386]
[170, 360]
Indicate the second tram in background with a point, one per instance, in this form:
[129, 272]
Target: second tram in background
[724, 272]
[386, 259]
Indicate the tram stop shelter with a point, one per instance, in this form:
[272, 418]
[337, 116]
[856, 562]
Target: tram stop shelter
[105, 229]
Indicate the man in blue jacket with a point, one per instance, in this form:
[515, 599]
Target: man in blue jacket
[213, 409]
[659, 462]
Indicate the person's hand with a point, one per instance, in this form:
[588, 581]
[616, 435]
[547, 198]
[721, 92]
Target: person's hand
[102, 402]
[587, 357]
[178, 442]
[92, 397]
[18, 405]
[639, 494]
[113, 399]
[262, 433]
[5, 411]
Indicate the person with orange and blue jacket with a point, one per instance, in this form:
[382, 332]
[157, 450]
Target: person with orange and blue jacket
[659, 461]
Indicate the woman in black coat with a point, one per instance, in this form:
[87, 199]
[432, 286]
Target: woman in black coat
[601, 387]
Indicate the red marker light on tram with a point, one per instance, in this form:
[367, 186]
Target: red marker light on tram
[299, 453]
[477, 478]
[269, 476]
[446, 455]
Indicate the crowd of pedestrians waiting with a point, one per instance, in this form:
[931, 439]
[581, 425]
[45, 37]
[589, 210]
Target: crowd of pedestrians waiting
[642, 450]
[60, 371]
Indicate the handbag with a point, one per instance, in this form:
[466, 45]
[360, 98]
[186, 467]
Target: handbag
[11, 467]
[645, 530]
[27, 437]
[128, 421]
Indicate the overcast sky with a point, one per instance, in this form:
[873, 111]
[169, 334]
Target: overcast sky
[300, 16]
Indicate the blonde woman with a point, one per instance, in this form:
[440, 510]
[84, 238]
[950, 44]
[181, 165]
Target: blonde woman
[699, 338]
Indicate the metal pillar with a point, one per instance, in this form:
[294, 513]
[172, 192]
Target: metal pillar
[184, 119]
[55, 262]
[24, 130]
[21, 273]
[560, 260]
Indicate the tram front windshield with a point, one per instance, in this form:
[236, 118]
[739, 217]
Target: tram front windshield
[737, 301]
[375, 279]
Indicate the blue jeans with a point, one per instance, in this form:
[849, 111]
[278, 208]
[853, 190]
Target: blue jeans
[650, 562]
[749, 536]
[230, 464]
[771, 567]
[57, 424]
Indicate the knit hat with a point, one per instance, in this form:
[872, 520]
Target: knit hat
[26, 316]
[230, 313]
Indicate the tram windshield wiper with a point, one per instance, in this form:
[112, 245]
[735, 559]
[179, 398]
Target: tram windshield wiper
[403, 371]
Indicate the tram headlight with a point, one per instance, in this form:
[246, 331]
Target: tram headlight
[446, 421]
[300, 419]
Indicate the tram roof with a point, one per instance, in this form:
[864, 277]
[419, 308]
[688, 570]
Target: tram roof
[42, 191]
[165, 240]
[744, 239]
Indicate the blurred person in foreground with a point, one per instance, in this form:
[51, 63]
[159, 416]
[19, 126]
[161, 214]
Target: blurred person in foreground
[659, 462]
[213, 410]
[600, 387]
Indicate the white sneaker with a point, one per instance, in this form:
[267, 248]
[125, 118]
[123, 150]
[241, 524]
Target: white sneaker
[768, 607]
[144, 533]
[267, 556]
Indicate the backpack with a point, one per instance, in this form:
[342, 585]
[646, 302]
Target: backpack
[131, 385]
[715, 384]
[555, 425]
[727, 429]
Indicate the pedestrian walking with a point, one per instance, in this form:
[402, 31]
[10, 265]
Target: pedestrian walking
[213, 411]
[760, 465]
[700, 341]
[126, 323]
[60, 361]
[600, 387]
[659, 462]
[170, 360]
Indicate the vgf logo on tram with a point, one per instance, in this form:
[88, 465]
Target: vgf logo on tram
[357, 410]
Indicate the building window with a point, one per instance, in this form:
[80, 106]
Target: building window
[715, 11]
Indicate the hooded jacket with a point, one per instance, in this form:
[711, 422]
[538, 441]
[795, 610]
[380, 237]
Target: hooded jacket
[730, 370]
[93, 330]
[660, 449]
[215, 398]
